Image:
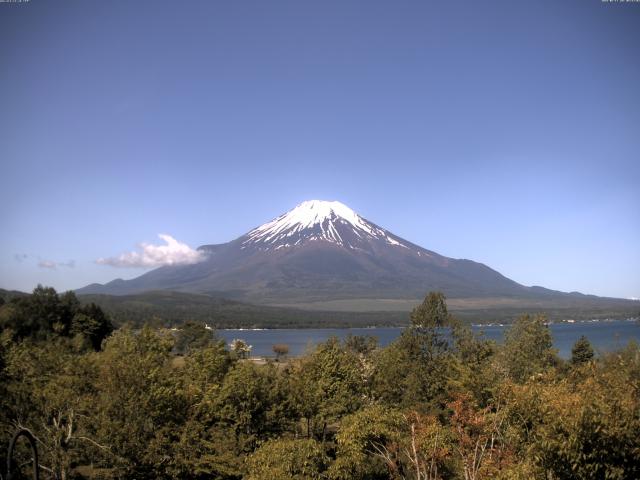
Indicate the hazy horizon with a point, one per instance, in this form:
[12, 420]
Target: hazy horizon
[503, 133]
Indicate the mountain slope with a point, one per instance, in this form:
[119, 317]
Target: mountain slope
[323, 251]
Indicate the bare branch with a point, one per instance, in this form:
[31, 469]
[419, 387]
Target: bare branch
[87, 439]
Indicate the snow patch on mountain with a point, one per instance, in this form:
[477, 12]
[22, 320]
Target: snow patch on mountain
[317, 220]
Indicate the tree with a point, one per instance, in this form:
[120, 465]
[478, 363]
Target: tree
[363, 348]
[361, 344]
[585, 428]
[477, 434]
[432, 312]
[328, 385]
[473, 370]
[140, 405]
[365, 440]
[204, 371]
[45, 313]
[49, 391]
[192, 336]
[528, 348]
[284, 459]
[206, 451]
[205, 446]
[68, 306]
[254, 403]
[582, 351]
[281, 350]
[378, 440]
[414, 368]
[37, 315]
[92, 323]
[241, 348]
[45, 310]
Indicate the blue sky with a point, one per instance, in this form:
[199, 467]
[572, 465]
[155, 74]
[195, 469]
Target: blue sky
[504, 132]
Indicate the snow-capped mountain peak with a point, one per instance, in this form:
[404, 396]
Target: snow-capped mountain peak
[317, 220]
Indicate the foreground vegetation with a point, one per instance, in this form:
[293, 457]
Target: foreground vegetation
[152, 404]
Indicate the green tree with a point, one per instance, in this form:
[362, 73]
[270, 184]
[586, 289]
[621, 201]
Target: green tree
[37, 315]
[384, 442]
[205, 370]
[528, 348]
[254, 402]
[582, 351]
[140, 405]
[68, 306]
[328, 385]
[585, 428]
[205, 446]
[473, 370]
[361, 344]
[192, 336]
[45, 313]
[49, 391]
[92, 323]
[205, 451]
[365, 443]
[432, 312]
[414, 369]
[288, 459]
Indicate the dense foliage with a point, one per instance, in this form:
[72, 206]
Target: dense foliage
[44, 313]
[155, 403]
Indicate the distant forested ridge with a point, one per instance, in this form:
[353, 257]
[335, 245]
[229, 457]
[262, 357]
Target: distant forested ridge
[169, 309]
[152, 403]
[166, 308]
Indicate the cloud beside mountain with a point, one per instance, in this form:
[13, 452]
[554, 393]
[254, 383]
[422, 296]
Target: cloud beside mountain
[151, 256]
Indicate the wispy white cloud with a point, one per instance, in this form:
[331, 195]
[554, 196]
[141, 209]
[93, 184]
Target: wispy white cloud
[47, 264]
[173, 253]
[51, 265]
[42, 262]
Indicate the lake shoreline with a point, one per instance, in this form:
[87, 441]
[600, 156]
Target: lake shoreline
[473, 325]
[605, 335]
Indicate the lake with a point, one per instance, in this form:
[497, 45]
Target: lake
[603, 335]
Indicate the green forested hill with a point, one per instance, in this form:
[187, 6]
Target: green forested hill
[6, 295]
[165, 308]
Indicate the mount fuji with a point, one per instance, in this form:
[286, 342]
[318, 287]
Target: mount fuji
[322, 251]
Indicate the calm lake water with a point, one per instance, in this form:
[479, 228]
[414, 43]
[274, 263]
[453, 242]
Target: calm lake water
[603, 335]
